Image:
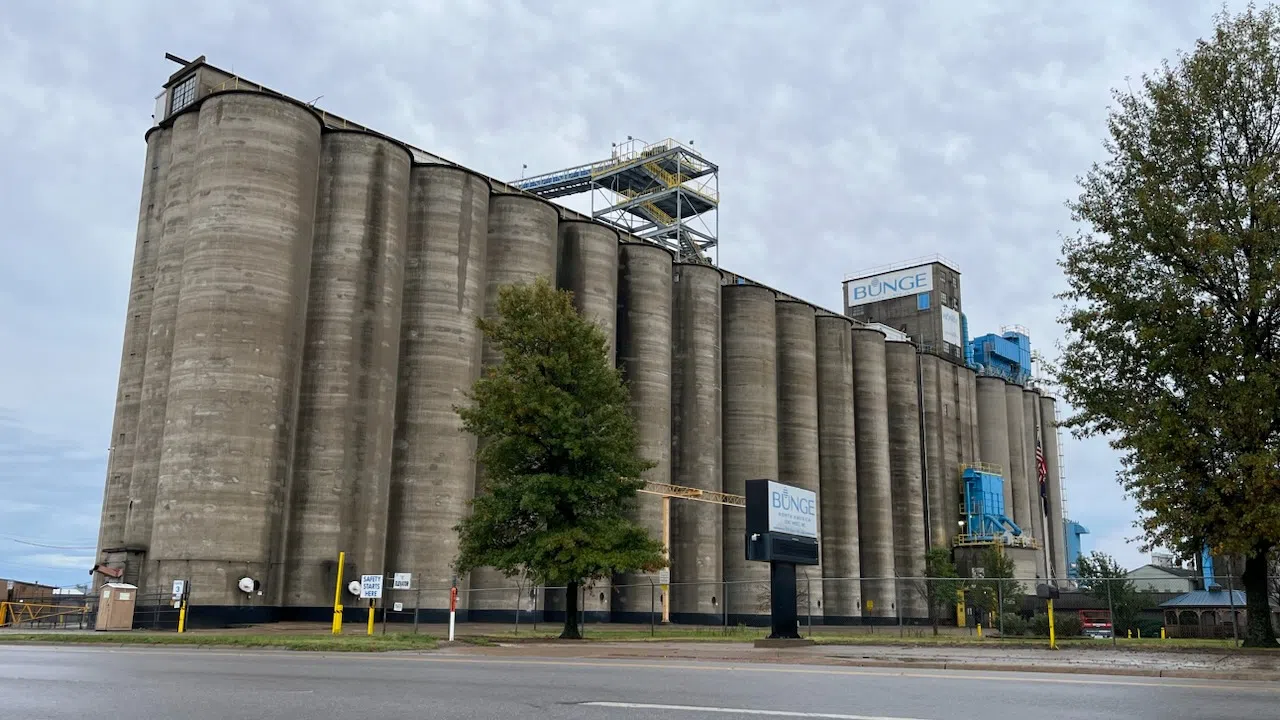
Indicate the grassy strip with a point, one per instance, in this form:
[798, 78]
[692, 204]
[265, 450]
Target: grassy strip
[320, 643]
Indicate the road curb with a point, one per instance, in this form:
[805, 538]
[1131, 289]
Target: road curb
[1063, 670]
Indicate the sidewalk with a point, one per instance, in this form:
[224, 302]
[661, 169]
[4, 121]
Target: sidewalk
[1077, 660]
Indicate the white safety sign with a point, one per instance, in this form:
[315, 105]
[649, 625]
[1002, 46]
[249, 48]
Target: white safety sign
[402, 581]
[370, 587]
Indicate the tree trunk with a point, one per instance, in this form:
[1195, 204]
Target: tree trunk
[571, 631]
[1258, 632]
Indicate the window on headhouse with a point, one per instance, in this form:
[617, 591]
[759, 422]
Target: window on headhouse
[184, 93]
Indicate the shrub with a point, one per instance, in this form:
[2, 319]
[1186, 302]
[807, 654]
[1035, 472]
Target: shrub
[1065, 624]
[1014, 625]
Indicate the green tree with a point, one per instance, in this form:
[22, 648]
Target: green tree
[1103, 578]
[560, 452]
[942, 584]
[1173, 316]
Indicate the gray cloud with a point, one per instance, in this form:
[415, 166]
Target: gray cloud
[849, 135]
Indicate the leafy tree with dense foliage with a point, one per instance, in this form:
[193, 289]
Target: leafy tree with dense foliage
[1173, 307]
[1103, 578]
[940, 586]
[559, 449]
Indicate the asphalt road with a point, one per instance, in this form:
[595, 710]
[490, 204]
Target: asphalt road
[150, 684]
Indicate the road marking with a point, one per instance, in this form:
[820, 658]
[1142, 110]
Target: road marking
[742, 711]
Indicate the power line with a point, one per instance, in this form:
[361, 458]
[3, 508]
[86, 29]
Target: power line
[47, 546]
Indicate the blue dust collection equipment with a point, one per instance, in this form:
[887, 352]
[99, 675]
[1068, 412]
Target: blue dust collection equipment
[985, 520]
[782, 530]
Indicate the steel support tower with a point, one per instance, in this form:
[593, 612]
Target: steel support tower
[664, 192]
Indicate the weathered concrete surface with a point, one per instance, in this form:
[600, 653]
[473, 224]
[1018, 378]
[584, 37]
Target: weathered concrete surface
[433, 463]
[798, 457]
[993, 432]
[588, 267]
[118, 493]
[346, 410]
[237, 349]
[936, 412]
[750, 435]
[523, 245]
[645, 306]
[1016, 475]
[1031, 420]
[875, 495]
[837, 457]
[902, 381]
[696, 454]
[1055, 531]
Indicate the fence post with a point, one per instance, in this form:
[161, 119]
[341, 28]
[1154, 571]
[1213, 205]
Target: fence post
[1000, 606]
[1111, 611]
[808, 594]
[653, 622]
[417, 608]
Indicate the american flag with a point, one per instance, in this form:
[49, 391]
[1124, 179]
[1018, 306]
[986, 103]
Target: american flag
[1042, 472]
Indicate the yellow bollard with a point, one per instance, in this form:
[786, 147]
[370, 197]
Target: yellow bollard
[370, 617]
[979, 629]
[1162, 637]
[1139, 633]
[182, 616]
[337, 597]
[1129, 634]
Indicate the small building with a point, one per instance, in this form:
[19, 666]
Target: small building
[1161, 578]
[19, 591]
[1204, 614]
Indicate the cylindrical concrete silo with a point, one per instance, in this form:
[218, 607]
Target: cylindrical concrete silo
[1016, 475]
[837, 458]
[644, 353]
[936, 412]
[523, 244]
[1056, 530]
[993, 433]
[697, 560]
[1031, 420]
[798, 458]
[164, 311]
[588, 267]
[433, 463]
[750, 434]
[346, 406]
[237, 348]
[901, 379]
[137, 325]
[875, 494]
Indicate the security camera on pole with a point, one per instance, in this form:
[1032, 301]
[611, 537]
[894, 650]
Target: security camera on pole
[782, 529]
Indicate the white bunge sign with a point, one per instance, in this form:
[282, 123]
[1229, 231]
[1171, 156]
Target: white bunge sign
[886, 286]
[951, 326]
[370, 587]
[792, 510]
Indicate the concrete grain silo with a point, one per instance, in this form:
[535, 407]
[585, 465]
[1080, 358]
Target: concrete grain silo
[644, 311]
[837, 458]
[237, 349]
[750, 430]
[875, 495]
[433, 462]
[1031, 421]
[588, 267]
[1056, 530]
[993, 431]
[697, 569]
[124, 433]
[172, 241]
[936, 414]
[346, 405]
[1016, 474]
[523, 244]
[798, 458]
[907, 485]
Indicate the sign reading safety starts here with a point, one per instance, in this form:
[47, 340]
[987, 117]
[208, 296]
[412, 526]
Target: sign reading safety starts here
[792, 510]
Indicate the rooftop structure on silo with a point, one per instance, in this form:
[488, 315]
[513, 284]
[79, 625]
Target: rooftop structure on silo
[920, 298]
[664, 192]
[1007, 355]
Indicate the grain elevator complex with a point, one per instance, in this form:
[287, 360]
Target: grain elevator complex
[302, 320]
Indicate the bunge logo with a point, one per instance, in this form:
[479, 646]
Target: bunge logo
[878, 287]
[784, 500]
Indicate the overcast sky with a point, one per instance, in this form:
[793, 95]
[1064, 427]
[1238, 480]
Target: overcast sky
[849, 134]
